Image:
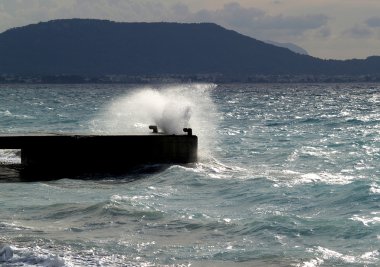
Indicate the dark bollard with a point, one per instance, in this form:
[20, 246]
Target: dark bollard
[154, 128]
[189, 131]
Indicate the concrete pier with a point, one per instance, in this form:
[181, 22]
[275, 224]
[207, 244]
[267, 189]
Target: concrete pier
[72, 153]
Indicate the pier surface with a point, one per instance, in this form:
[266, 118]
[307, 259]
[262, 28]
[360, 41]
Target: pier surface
[71, 152]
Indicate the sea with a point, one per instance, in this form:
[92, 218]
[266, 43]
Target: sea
[287, 175]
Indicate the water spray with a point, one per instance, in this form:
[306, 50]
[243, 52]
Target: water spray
[171, 108]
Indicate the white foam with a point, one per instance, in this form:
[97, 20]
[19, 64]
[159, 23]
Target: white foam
[7, 113]
[291, 178]
[331, 254]
[375, 98]
[318, 152]
[312, 263]
[375, 188]
[370, 256]
[325, 255]
[328, 178]
[213, 168]
[367, 220]
[10, 156]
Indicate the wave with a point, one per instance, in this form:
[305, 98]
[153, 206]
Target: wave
[6, 252]
[373, 218]
[329, 257]
[7, 113]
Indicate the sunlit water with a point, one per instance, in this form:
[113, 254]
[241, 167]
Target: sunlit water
[288, 176]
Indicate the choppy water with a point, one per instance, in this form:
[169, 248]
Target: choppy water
[288, 176]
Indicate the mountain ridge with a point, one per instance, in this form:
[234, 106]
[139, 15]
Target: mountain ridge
[99, 47]
[292, 47]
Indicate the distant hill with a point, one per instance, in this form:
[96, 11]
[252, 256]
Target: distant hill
[98, 47]
[292, 47]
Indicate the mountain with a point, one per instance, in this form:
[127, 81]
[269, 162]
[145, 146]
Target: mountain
[292, 47]
[100, 47]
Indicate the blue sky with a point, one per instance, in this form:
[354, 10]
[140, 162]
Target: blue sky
[338, 29]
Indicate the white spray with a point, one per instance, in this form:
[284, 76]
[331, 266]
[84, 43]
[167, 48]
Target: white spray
[171, 108]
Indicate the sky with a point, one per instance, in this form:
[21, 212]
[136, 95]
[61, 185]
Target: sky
[329, 29]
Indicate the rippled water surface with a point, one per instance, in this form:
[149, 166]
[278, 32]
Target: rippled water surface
[288, 175]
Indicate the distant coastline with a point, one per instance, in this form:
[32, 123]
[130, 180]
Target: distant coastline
[178, 78]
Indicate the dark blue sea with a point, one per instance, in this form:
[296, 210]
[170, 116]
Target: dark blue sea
[288, 175]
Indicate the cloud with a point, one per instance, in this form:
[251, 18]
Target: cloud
[324, 32]
[373, 22]
[120, 10]
[358, 31]
[256, 22]
[23, 12]
[296, 24]
[180, 10]
[232, 15]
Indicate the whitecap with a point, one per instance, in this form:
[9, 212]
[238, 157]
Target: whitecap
[324, 255]
[217, 170]
[374, 189]
[311, 263]
[367, 220]
[291, 178]
[370, 256]
[7, 113]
